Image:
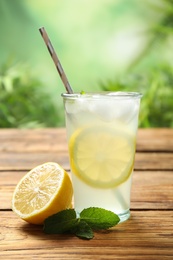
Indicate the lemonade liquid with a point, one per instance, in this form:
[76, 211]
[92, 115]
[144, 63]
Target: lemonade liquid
[110, 117]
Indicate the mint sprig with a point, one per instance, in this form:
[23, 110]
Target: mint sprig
[89, 220]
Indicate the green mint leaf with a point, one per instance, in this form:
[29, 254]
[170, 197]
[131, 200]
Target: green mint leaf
[90, 219]
[83, 230]
[98, 218]
[60, 222]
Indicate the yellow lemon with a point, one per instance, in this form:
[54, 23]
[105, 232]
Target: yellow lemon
[102, 156]
[44, 191]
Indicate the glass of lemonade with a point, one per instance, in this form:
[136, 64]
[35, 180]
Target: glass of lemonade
[101, 131]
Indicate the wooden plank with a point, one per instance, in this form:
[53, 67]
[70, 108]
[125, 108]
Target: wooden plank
[10, 178]
[26, 161]
[153, 161]
[142, 235]
[54, 139]
[155, 139]
[35, 140]
[31, 134]
[88, 253]
[150, 190]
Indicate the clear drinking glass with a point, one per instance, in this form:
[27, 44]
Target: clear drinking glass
[101, 133]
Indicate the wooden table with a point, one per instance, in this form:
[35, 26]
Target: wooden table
[148, 234]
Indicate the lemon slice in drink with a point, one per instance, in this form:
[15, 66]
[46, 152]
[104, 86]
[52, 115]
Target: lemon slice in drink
[101, 156]
[44, 191]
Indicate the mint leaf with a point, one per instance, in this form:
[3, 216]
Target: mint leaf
[60, 222]
[90, 219]
[98, 218]
[83, 230]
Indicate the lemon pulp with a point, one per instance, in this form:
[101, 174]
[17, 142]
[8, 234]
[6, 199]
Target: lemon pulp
[102, 156]
[44, 191]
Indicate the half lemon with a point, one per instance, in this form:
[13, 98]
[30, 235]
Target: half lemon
[44, 191]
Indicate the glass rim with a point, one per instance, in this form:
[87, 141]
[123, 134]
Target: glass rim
[103, 94]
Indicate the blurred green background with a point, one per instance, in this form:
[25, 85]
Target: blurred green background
[102, 44]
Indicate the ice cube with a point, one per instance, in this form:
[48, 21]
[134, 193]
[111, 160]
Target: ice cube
[127, 110]
[102, 109]
[111, 109]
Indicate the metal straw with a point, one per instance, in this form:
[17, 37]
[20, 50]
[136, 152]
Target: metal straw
[56, 60]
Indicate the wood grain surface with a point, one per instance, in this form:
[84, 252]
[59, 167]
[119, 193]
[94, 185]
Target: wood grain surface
[148, 234]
